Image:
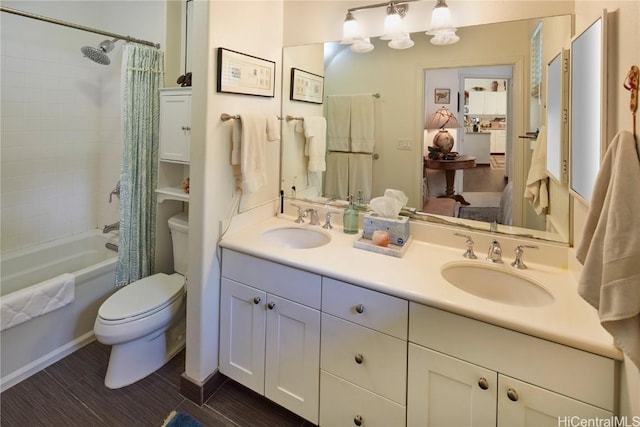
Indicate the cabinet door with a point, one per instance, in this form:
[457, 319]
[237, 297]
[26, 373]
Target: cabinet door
[242, 334]
[175, 127]
[293, 357]
[501, 103]
[444, 391]
[501, 141]
[523, 404]
[476, 102]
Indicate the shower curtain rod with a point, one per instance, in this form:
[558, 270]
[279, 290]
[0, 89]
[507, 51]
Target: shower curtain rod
[76, 26]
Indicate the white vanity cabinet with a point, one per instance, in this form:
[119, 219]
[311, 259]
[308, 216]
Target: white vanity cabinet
[270, 331]
[476, 367]
[363, 357]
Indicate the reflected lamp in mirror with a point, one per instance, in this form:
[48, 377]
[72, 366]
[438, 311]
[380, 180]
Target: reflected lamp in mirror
[442, 119]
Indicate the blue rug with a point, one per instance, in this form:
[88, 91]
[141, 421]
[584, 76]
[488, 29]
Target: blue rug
[181, 419]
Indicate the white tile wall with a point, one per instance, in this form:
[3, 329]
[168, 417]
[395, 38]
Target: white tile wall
[60, 134]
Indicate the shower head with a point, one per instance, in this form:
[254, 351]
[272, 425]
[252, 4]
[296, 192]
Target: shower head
[99, 54]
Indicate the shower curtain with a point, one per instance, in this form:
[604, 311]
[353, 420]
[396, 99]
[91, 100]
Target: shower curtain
[142, 71]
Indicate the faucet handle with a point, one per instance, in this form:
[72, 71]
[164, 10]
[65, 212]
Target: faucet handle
[518, 263]
[469, 254]
[495, 252]
[314, 220]
[327, 219]
[302, 213]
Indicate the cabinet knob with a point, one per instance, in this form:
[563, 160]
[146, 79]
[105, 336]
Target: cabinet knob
[256, 300]
[271, 305]
[359, 359]
[186, 127]
[483, 383]
[512, 395]
[360, 308]
[357, 420]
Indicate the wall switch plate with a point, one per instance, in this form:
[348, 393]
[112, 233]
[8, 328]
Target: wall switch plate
[404, 144]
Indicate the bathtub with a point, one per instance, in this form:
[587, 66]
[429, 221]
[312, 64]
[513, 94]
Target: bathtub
[37, 343]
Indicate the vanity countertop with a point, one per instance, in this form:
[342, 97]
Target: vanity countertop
[569, 320]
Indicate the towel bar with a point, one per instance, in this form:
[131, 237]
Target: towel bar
[224, 117]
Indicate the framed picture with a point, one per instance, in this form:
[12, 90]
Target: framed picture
[245, 74]
[306, 87]
[442, 96]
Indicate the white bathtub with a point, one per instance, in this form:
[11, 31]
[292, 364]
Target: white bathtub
[32, 346]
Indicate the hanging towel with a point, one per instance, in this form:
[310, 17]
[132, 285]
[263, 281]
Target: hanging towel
[273, 128]
[536, 189]
[338, 123]
[610, 249]
[315, 131]
[36, 300]
[337, 177]
[253, 153]
[236, 133]
[360, 174]
[362, 124]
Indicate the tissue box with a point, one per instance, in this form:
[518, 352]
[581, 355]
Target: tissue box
[398, 227]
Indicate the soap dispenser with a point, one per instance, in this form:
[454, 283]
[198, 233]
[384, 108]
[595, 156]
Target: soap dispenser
[350, 218]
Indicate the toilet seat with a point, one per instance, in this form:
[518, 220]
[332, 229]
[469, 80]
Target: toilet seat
[141, 298]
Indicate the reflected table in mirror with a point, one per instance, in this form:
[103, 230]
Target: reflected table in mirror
[450, 167]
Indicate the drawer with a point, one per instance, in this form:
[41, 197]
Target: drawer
[341, 403]
[365, 307]
[370, 359]
[277, 279]
[550, 365]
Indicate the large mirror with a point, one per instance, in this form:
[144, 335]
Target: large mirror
[405, 86]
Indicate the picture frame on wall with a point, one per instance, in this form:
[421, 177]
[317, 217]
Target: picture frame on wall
[306, 86]
[442, 96]
[244, 74]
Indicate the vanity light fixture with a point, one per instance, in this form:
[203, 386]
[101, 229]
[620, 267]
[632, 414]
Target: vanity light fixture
[442, 119]
[441, 26]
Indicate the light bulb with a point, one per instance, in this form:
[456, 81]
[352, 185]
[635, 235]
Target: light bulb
[392, 22]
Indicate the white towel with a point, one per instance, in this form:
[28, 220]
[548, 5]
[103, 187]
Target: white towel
[315, 131]
[536, 189]
[338, 123]
[336, 183]
[362, 124]
[253, 153]
[273, 128]
[236, 134]
[360, 174]
[610, 249]
[33, 301]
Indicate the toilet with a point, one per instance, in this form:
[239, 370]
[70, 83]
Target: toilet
[144, 322]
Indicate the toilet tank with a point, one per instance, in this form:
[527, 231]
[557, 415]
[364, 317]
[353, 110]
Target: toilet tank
[179, 226]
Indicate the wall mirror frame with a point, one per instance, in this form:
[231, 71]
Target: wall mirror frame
[410, 104]
[558, 117]
[588, 107]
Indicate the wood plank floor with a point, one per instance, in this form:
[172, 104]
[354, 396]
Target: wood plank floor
[71, 392]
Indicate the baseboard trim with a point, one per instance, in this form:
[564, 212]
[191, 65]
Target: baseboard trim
[197, 392]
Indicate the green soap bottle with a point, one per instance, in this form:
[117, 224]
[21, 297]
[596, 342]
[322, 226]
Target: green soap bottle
[350, 218]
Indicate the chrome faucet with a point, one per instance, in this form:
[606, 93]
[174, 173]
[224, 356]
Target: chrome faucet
[115, 192]
[469, 254]
[518, 263]
[327, 219]
[301, 213]
[111, 227]
[313, 216]
[495, 252]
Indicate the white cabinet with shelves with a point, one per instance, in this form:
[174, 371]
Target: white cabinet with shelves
[487, 103]
[554, 381]
[175, 143]
[269, 338]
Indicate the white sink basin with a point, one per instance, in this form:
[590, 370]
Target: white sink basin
[296, 237]
[496, 283]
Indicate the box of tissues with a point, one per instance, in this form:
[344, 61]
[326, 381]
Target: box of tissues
[398, 227]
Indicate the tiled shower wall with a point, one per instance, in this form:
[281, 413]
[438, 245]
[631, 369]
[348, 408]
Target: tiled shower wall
[60, 141]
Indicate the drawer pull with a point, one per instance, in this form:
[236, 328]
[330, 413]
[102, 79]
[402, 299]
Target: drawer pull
[256, 300]
[271, 305]
[360, 308]
[512, 395]
[483, 383]
[357, 420]
[186, 128]
[359, 359]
